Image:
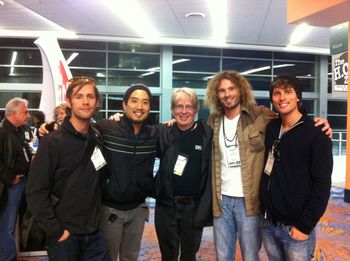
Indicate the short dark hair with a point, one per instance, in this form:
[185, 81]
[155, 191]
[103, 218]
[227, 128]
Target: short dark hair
[285, 81]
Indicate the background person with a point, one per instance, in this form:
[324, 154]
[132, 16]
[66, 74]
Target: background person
[15, 157]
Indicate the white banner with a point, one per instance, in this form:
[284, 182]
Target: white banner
[56, 74]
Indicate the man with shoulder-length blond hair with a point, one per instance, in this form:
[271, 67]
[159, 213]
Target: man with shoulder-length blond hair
[237, 158]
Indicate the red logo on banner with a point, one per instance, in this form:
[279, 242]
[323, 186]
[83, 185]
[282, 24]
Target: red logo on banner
[63, 83]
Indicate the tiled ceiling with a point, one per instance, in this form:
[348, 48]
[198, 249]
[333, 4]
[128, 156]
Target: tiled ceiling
[257, 23]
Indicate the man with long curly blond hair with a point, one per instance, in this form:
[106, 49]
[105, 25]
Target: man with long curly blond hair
[237, 158]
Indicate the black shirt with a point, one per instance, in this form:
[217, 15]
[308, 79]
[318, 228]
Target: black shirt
[191, 147]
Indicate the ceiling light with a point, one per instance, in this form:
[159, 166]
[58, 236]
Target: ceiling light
[71, 58]
[180, 61]
[2, 3]
[263, 68]
[13, 60]
[218, 18]
[195, 15]
[145, 74]
[300, 33]
[134, 16]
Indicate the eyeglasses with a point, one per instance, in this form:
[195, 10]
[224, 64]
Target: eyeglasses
[80, 79]
[182, 107]
[275, 149]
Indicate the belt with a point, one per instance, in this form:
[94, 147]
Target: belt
[184, 200]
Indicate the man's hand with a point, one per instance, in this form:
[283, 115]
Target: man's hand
[326, 128]
[297, 234]
[16, 180]
[116, 117]
[170, 123]
[64, 236]
[42, 130]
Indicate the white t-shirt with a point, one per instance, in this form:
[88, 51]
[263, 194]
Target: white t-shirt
[231, 178]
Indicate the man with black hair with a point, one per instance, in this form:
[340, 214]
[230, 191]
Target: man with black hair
[296, 181]
[130, 148]
[63, 191]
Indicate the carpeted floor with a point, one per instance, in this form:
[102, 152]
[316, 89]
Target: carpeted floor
[333, 238]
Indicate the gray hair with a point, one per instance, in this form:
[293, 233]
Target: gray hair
[13, 104]
[184, 91]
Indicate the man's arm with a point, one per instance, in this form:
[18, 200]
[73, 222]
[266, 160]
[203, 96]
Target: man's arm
[7, 174]
[39, 187]
[320, 171]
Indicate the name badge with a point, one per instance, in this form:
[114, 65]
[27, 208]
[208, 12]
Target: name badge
[97, 159]
[180, 164]
[269, 163]
[233, 159]
[26, 135]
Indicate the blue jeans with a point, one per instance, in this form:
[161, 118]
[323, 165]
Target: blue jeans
[234, 222]
[280, 246]
[79, 248]
[8, 218]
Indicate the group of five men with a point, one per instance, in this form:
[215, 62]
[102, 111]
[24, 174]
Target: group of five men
[221, 161]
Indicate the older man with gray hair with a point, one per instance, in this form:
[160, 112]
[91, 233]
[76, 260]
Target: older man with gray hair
[15, 156]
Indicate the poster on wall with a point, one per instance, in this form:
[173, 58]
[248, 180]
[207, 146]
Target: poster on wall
[340, 75]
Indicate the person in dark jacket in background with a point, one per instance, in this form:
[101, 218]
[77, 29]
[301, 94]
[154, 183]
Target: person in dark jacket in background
[183, 181]
[15, 157]
[130, 149]
[295, 185]
[63, 191]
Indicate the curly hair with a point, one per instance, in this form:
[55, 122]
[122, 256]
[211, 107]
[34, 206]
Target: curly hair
[245, 90]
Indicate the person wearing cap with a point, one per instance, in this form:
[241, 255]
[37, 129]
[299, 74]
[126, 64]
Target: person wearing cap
[129, 148]
[63, 191]
[296, 181]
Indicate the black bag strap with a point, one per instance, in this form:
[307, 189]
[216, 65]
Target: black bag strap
[59, 191]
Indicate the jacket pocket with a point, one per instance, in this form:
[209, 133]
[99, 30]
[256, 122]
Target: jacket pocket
[256, 141]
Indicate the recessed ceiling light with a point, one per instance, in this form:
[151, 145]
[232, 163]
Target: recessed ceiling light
[195, 15]
[2, 3]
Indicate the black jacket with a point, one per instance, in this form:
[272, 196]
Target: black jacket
[12, 160]
[129, 173]
[168, 148]
[52, 176]
[297, 191]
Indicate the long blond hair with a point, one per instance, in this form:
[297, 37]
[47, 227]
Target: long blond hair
[245, 90]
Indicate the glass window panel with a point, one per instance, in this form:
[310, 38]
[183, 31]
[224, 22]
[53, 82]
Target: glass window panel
[329, 85]
[87, 59]
[196, 64]
[294, 56]
[343, 148]
[102, 101]
[264, 102]
[337, 107]
[21, 75]
[17, 42]
[133, 61]
[191, 80]
[98, 75]
[247, 66]
[32, 97]
[259, 83]
[335, 148]
[245, 53]
[204, 111]
[309, 105]
[297, 69]
[337, 122]
[133, 47]
[74, 44]
[126, 78]
[343, 135]
[196, 50]
[24, 57]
